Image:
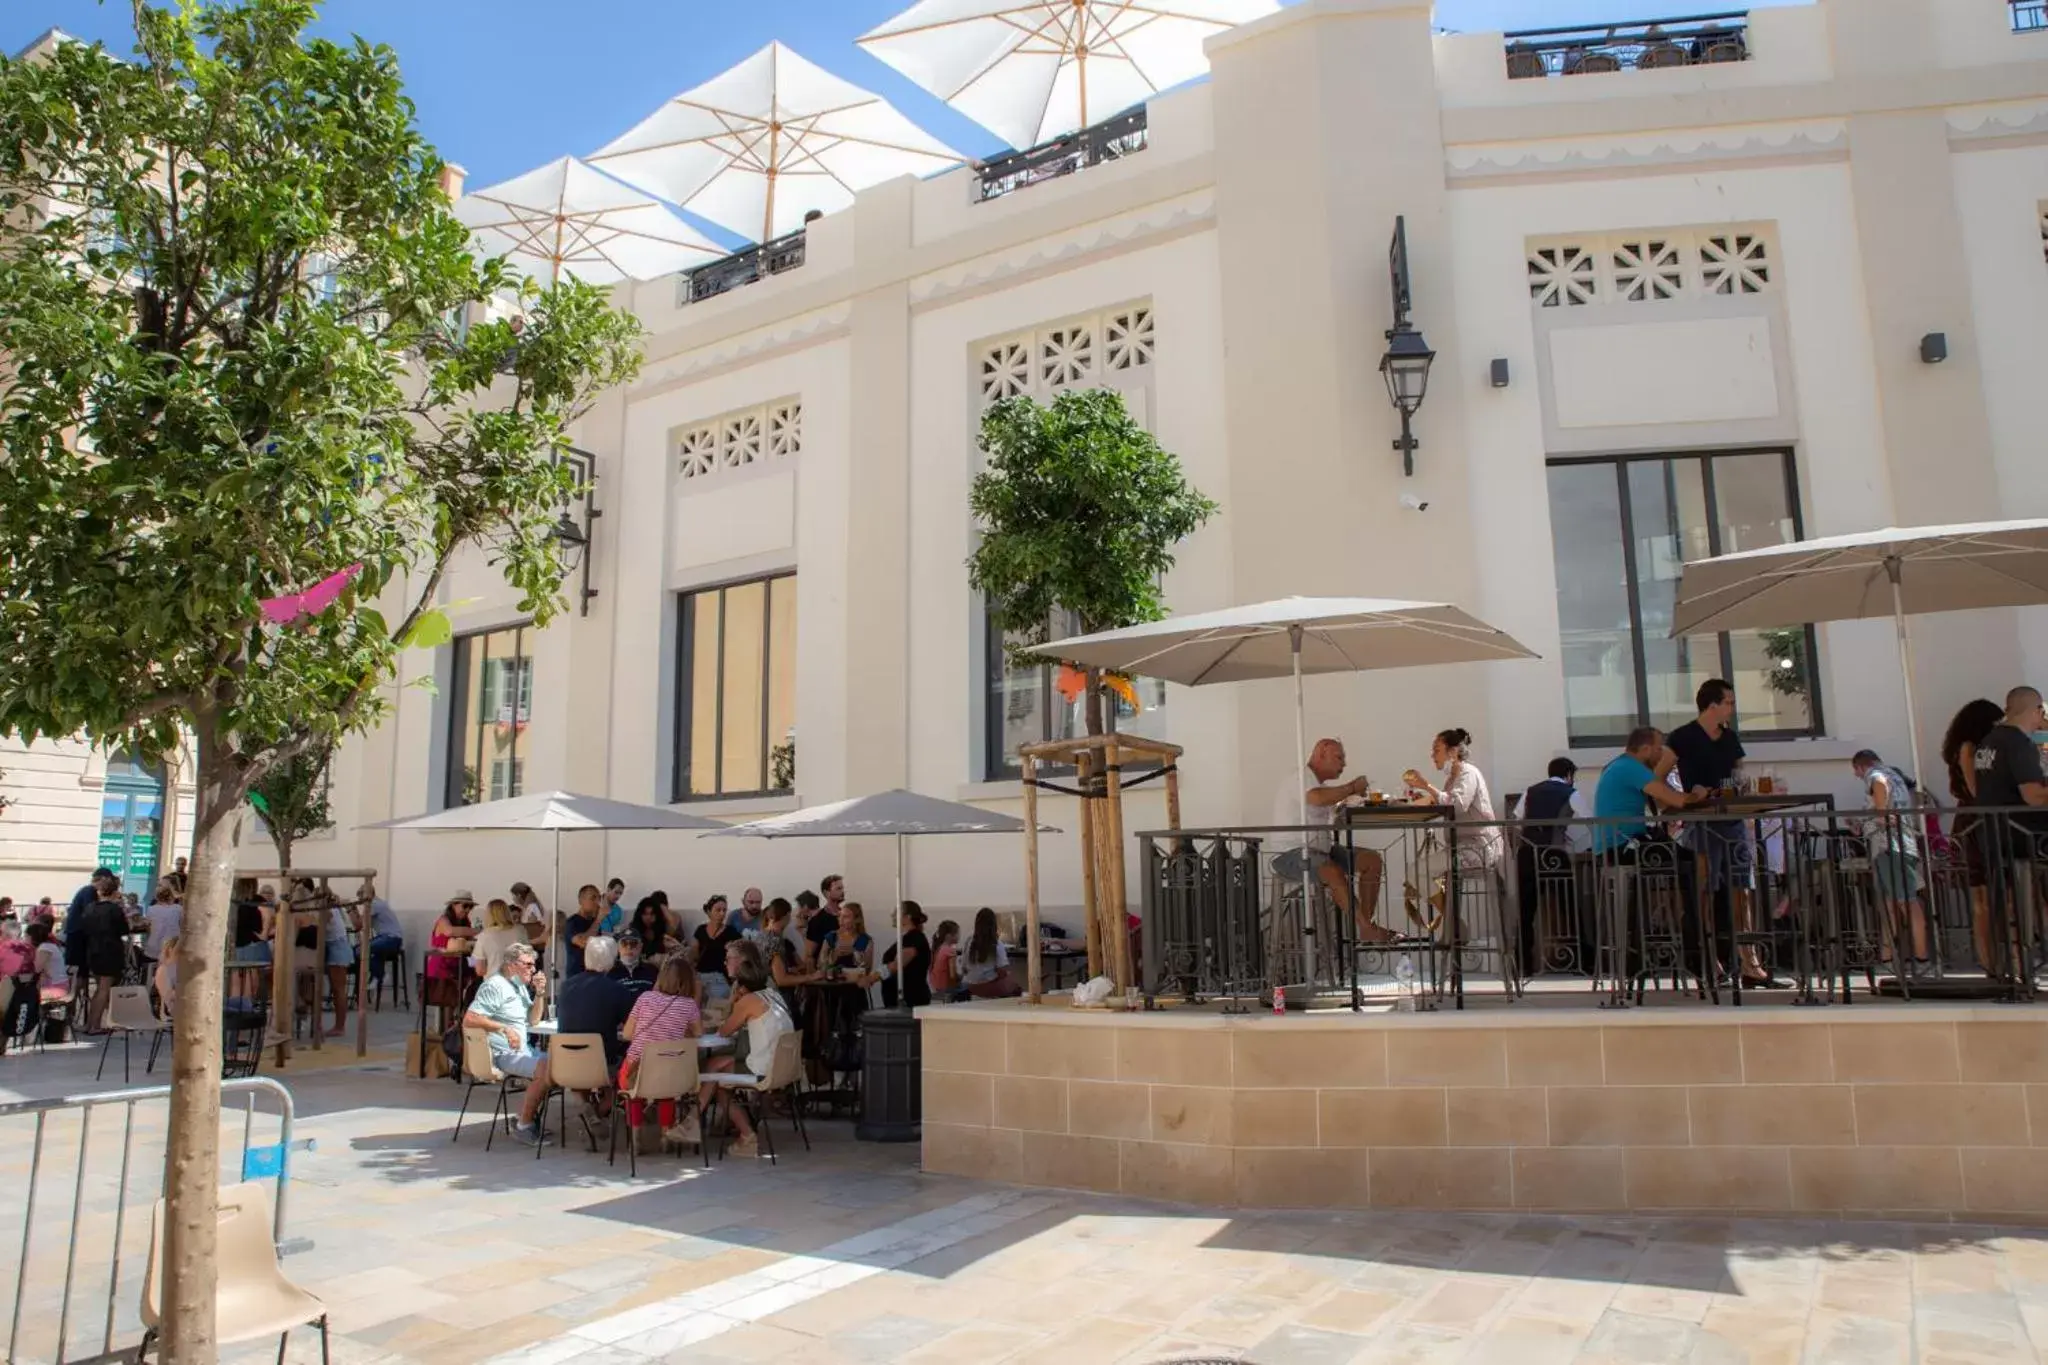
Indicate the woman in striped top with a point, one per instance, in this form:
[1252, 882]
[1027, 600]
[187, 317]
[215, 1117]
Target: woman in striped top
[664, 1014]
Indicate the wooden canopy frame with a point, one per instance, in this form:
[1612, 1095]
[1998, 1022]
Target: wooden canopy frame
[284, 970]
[1098, 765]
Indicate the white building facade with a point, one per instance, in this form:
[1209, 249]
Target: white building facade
[1678, 309]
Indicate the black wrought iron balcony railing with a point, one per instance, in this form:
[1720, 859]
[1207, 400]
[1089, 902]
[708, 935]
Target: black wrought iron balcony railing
[1639, 45]
[1110, 140]
[742, 267]
[2030, 16]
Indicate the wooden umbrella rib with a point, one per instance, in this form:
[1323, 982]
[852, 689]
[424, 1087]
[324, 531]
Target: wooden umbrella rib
[1052, 20]
[1000, 15]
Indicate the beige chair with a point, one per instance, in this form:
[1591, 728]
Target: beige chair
[666, 1071]
[252, 1298]
[129, 1013]
[785, 1068]
[479, 1068]
[576, 1061]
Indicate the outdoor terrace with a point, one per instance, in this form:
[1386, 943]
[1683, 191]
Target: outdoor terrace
[1636, 45]
[742, 267]
[1110, 140]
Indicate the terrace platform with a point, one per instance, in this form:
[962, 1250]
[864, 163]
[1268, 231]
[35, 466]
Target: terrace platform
[1871, 1109]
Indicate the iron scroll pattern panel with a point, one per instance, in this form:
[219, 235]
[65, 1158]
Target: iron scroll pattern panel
[1201, 937]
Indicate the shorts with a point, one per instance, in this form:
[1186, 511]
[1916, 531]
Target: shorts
[340, 953]
[1898, 876]
[1291, 863]
[253, 955]
[522, 1063]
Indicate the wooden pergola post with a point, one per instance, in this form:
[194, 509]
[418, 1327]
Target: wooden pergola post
[1033, 977]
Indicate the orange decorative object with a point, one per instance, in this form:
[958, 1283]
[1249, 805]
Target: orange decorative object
[1071, 682]
[1123, 687]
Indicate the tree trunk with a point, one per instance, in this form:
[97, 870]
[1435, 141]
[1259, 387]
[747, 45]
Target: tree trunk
[1092, 701]
[192, 1159]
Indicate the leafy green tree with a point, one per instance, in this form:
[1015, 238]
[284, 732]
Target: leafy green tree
[1079, 510]
[229, 368]
[292, 798]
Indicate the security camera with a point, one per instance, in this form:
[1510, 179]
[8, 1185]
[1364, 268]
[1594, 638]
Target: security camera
[1414, 503]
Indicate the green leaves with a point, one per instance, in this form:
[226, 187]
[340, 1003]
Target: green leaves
[1079, 509]
[235, 366]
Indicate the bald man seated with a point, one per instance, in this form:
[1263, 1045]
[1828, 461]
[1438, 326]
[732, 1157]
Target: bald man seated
[1337, 866]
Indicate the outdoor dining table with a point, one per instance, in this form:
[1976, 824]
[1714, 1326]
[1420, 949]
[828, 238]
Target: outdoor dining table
[706, 1042]
[1401, 814]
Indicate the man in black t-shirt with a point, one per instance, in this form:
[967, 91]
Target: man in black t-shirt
[592, 1002]
[1710, 754]
[579, 929]
[2009, 761]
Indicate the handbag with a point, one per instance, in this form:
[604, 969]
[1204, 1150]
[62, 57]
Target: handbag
[632, 1066]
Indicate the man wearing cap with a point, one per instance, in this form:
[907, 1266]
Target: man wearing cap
[633, 971]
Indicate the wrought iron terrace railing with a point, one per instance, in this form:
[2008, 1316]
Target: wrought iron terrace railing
[1919, 904]
[1640, 45]
[742, 267]
[1110, 140]
[2030, 16]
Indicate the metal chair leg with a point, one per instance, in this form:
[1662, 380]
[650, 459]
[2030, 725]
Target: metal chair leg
[105, 1048]
[463, 1113]
[323, 1339]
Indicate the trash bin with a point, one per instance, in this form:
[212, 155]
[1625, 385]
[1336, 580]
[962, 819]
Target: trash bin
[892, 1077]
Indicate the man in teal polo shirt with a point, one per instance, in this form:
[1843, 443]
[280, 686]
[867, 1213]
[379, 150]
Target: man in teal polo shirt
[1630, 786]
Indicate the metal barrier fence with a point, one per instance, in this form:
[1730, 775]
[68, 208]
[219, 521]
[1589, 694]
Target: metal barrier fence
[104, 1180]
[1781, 891]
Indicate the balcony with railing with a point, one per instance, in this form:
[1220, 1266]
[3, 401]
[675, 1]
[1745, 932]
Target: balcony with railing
[2029, 16]
[1638, 45]
[742, 267]
[1110, 140]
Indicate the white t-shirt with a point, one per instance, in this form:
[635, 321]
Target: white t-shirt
[49, 966]
[489, 952]
[981, 973]
[1287, 811]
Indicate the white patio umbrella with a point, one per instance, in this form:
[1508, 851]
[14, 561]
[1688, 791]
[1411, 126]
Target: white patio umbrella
[763, 144]
[898, 813]
[1292, 637]
[1029, 70]
[555, 813]
[1896, 572]
[570, 219]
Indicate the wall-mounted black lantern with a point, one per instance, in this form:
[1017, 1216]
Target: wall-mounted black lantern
[572, 537]
[1406, 364]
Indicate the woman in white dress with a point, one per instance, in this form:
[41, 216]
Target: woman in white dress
[1466, 793]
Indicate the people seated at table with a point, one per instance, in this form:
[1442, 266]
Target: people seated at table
[50, 974]
[758, 1017]
[707, 946]
[669, 914]
[1630, 786]
[665, 1013]
[1334, 863]
[450, 941]
[18, 965]
[985, 964]
[507, 1005]
[913, 960]
[849, 949]
[779, 950]
[579, 928]
[652, 926]
[1966, 731]
[633, 970]
[944, 976]
[592, 1002]
[502, 928]
[533, 916]
[1481, 847]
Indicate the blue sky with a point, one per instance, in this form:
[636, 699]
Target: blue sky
[504, 85]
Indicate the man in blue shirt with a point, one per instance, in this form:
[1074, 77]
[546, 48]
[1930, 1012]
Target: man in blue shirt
[1630, 786]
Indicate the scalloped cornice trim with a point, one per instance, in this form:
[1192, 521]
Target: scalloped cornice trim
[789, 334]
[1668, 147]
[1976, 122]
[1106, 237]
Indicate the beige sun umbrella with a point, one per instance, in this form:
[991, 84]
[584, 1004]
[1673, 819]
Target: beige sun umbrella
[1029, 70]
[570, 219]
[756, 148]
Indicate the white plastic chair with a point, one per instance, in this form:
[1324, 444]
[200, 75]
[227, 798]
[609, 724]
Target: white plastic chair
[252, 1297]
[785, 1069]
[129, 1013]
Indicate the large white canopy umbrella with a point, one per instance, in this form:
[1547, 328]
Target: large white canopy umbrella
[898, 813]
[1029, 70]
[571, 220]
[1898, 572]
[552, 812]
[1292, 637]
[756, 148]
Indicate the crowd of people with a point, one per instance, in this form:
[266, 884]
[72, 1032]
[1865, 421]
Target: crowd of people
[64, 964]
[1993, 759]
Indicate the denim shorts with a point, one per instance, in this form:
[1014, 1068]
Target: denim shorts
[253, 954]
[1294, 861]
[340, 953]
[521, 1063]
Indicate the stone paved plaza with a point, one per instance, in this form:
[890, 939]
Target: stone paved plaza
[439, 1252]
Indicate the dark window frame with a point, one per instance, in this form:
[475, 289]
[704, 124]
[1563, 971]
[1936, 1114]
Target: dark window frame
[1816, 727]
[458, 691]
[686, 644]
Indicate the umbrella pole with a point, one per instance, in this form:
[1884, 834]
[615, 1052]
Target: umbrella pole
[899, 919]
[1301, 766]
[1891, 568]
[555, 950]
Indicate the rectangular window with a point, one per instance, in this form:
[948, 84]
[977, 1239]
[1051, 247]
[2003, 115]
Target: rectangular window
[1622, 529]
[1026, 705]
[490, 715]
[736, 690]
